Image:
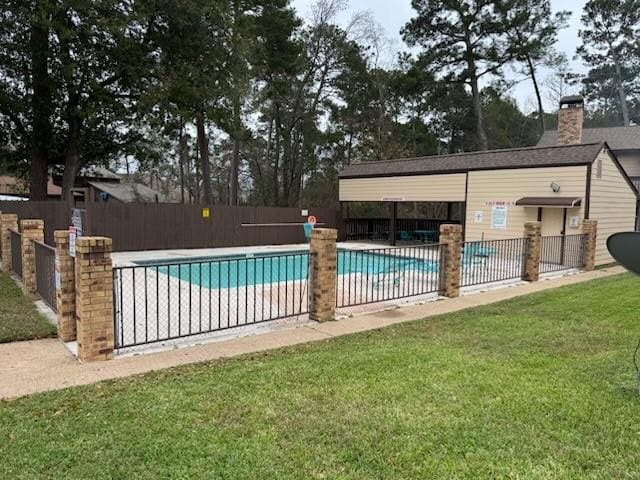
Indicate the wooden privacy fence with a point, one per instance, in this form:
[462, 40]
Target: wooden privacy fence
[56, 215]
[157, 226]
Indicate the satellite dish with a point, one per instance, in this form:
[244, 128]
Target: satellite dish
[625, 249]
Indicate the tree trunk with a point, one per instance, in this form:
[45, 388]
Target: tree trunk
[41, 105]
[481, 134]
[181, 158]
[235, 162]
[483, 142]
[532, 72]
[203, 145]
[621, 92]
[72, 162]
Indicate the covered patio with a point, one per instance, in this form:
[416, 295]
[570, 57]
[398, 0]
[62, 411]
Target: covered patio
[398, 222]
[405, 208]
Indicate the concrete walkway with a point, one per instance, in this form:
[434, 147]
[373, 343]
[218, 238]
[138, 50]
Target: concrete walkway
[41, 365]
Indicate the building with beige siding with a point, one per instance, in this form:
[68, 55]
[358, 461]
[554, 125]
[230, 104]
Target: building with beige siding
[493, 193]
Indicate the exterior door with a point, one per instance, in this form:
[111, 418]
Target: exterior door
[552, 221]
[552, 227]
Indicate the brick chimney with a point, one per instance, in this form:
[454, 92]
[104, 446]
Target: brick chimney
[570, 118]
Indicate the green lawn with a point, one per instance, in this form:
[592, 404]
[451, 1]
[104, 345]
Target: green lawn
[19, 319]
[534, 388]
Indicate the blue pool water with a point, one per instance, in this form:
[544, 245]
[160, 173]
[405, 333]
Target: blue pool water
[240, 271]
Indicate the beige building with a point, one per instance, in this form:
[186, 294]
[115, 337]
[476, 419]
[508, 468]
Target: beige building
[500, 190]
[623, 141]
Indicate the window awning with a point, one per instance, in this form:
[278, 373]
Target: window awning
[558, 202]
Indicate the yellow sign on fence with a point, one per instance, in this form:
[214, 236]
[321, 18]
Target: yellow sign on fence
[206, 213]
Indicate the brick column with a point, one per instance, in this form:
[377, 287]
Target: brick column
[590, 229]
[450, 253]
[8, 221]
[31, 230]
[322, 278]
[533, 233]
[94, 298]
[66, 289]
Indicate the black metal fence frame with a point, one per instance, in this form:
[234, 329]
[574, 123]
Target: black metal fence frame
[159, 279]
[397, 264]
[16, 253]
[45, 265]
[489, 261]
[562, 252]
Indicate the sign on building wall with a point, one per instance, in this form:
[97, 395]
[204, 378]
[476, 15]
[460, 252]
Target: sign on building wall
[499, 217]
[478, 216]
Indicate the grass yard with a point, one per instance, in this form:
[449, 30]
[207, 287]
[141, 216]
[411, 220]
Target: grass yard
[534, 388]
[19, 320]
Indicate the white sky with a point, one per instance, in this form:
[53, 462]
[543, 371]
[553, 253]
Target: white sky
[393, 14]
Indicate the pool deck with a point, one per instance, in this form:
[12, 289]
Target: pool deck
[41, 365]
[121, 259]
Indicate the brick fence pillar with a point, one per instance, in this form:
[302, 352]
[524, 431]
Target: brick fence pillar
[8, 221]
[66, 288]
[590, 230]
[322, 287]
[533, 235]
[31, 230]
[450, 252]
[94, 298]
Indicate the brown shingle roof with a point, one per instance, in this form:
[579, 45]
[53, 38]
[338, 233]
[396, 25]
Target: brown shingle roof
[618, 138]
[489, 160]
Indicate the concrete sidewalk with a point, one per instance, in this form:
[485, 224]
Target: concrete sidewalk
[41, 365]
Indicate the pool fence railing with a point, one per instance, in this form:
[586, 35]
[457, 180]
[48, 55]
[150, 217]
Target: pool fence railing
[98, 303]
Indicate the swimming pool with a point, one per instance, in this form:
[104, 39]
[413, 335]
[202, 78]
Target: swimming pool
[249, 270]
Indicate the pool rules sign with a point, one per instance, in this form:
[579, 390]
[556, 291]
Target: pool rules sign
[75, 231]
[499, 217]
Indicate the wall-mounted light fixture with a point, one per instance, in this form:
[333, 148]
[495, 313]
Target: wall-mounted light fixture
[555, 187]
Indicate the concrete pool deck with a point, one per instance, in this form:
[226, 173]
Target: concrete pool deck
[42, 365]
[121, 259]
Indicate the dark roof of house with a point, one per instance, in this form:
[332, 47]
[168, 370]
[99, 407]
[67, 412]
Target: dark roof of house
[618, 138]
[550, 201]
[530, 157]
[129, 192]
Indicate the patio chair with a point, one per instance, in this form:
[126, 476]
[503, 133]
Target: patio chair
[406, 236]
[392, 275]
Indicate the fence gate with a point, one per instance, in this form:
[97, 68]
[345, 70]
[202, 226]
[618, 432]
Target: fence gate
[156, 302]
[45, 257]
[562, 252]
[16, 253]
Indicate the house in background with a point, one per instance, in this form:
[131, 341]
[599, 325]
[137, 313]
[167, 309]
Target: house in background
[123, 193]
[99, 184]
[499, 191]
[15, 187]
[623, 141]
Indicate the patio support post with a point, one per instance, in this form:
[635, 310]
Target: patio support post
[450, 256]
[65, 287]
[322, 277]
[533, 237]
[8, 221]
[392, 223]
[94, 298]
[31, 230]
[590, 230]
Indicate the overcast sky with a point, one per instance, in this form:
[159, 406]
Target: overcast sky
[393, 14]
